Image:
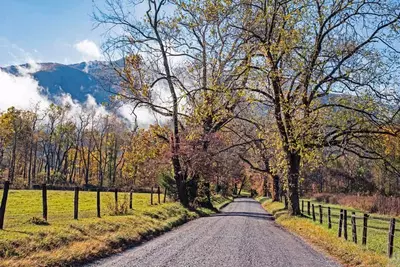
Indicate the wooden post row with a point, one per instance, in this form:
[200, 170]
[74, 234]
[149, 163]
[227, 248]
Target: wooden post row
[159, 194]
[4, 203]
[302, 206]
[391, 236]
[365, 228]
[313, 213]
[345, 224]
[329, 218]
[44, 201]
[98, 204]
[76, 202]
[308, 208]
[340, 223]
[354, 227]
[320, 214]
[165, 195]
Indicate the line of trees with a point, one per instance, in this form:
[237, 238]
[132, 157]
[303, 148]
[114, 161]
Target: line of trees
[94, 148]
[295, 83]
[282, 94]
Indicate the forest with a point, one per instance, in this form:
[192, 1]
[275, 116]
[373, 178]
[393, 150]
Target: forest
[286, 98]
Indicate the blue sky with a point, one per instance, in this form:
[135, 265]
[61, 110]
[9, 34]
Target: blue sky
[46, 31]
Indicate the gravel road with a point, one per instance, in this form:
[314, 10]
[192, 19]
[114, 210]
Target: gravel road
[242, 235]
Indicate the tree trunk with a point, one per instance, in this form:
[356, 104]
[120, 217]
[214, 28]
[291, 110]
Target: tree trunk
[241, 185]
[73, 164]
[88, 165]
[265, 187]
[293, 183]
[11, 172]
[30, 165]
[181, 185]
[275, 195]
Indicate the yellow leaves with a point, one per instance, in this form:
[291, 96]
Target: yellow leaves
[133, 61]
[192, 136]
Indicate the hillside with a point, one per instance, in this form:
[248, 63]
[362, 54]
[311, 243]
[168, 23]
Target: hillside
[96, 78]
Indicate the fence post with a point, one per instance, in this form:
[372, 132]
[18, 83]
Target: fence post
[44, 201]
[308, 208]
[151, 196]
[76, 202]
[116, 198]
[302, 206]
[4, 203]
[130, 199]
[345, 224]
[165, 195]
[365, 228]
[391, 237]
[354, 227]
[98, 203]
[320, 214]
[340, 223]
[313, 213]
[329, 218]
[159, 194]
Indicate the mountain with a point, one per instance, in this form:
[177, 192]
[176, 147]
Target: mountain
[96, 78]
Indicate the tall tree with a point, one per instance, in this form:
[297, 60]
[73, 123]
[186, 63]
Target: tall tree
[307, 51]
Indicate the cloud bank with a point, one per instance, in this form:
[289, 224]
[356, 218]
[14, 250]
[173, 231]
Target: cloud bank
[88, 49]
[22, 92]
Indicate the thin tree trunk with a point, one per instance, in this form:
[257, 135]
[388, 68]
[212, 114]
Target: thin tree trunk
[11, 172]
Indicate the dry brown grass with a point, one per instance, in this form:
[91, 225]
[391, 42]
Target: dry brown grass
[371, 204]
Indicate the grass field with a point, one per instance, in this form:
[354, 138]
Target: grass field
[378, 226]
[66, 241]
[348, 253]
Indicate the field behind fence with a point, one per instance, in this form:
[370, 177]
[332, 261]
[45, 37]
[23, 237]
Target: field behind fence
[22, 207]
[376, 233]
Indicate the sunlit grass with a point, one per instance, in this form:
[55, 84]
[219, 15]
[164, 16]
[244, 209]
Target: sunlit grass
[377, 232]
[66, 241]
[348, 253]
[220, 201]
[22, 205]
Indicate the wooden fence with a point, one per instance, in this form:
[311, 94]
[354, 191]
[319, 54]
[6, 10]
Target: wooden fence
[6, 190]
[355, 221]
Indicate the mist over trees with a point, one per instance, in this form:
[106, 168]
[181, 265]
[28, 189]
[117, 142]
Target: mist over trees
[288, 96]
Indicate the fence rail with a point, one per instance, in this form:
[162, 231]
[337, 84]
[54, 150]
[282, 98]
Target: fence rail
[343, 220]
[73, 211]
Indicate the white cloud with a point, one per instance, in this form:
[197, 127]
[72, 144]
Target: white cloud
[145, 117]
[22, 92]
[88, 49]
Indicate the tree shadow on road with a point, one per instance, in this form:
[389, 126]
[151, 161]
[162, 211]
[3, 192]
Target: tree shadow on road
[263, 216]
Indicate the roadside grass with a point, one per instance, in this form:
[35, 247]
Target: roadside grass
[243, 193]
[378, 226]
[70, 242]
[220, 201]
[346, 252]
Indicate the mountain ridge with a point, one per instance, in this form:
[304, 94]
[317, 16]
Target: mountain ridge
[96, 78]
